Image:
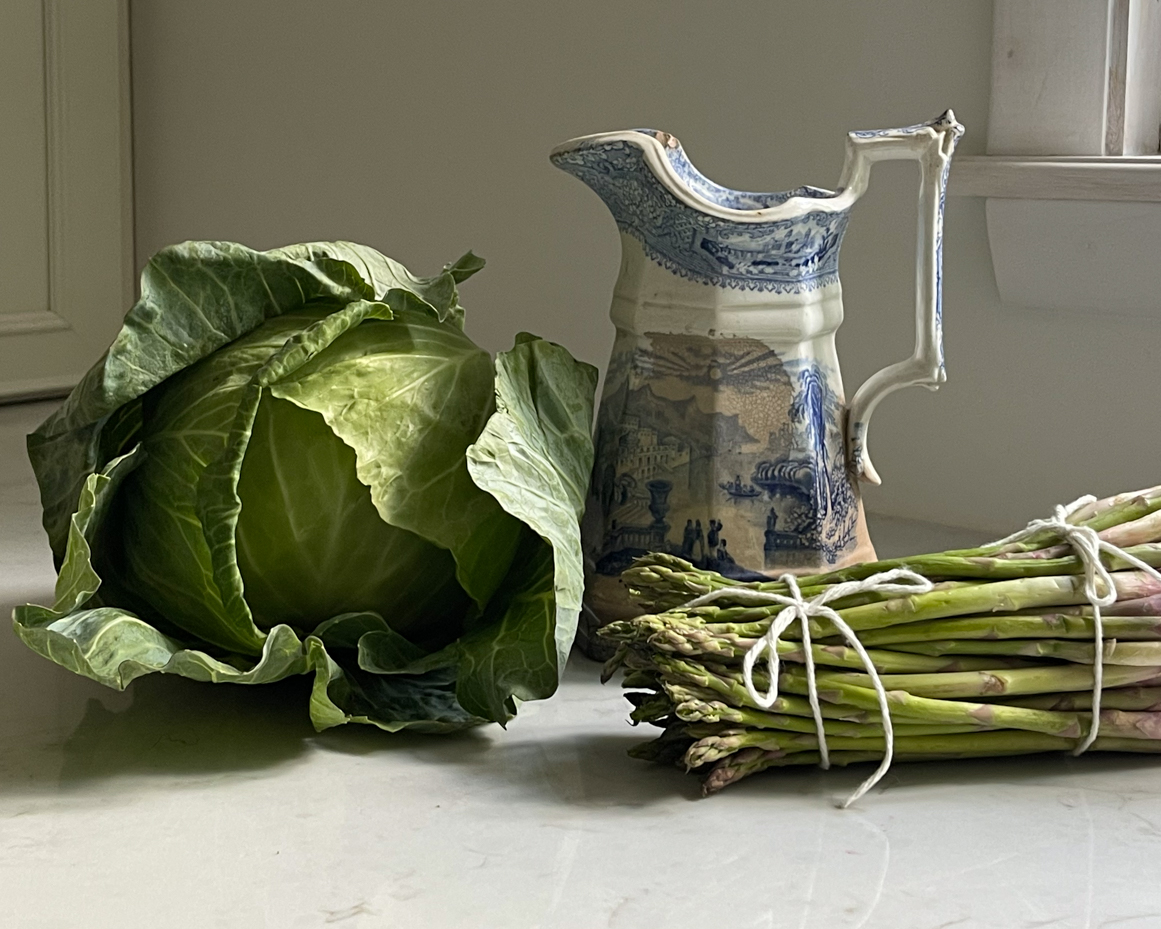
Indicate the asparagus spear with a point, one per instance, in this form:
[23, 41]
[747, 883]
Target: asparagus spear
[1113, 653]
[733, 768]
[751, 620]
[701, 713]
[649, 707]
[665, 587]
[679, 694]
[1047, 679]
[1122, 698]
[1006, 596]
[982, 567]
[1124, 535]
[1140, 606]
[729, 687]
[1046, 625]
[714, 747]
[693, 641]
[1134, 504]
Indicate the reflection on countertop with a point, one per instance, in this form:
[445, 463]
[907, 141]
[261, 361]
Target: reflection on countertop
[181, 804]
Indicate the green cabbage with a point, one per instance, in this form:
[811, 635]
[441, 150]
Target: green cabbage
[295, 462]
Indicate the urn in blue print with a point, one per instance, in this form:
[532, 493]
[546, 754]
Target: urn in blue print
[724, 435]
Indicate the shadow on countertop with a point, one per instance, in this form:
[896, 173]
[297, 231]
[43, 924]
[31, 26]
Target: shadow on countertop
[168, 727]
[568, 751]
[61, 735]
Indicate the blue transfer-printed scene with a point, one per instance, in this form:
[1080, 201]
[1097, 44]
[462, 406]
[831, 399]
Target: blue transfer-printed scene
[719, 452]
[785, 256]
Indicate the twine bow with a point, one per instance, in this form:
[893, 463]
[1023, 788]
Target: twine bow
[798, 608]
[1088, 546]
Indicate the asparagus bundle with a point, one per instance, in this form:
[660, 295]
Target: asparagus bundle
[996, 655]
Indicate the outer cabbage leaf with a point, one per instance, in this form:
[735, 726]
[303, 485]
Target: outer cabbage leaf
[218, 504]
[421, 703]
[515, 655]
[534, 456]
[195, 298]
[380, 678]
[160, 551]
[113, 646]
[409, 398]
[308, 531]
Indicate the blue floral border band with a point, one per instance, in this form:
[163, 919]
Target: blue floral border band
[782, 256]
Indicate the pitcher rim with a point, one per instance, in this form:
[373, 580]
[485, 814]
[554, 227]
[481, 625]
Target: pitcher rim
[657, 159]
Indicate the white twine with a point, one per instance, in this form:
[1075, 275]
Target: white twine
[799, 608]
[1088, 546]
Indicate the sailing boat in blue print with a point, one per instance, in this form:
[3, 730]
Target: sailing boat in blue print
[724, 436]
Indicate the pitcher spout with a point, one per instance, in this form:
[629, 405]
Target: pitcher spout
[784, 241]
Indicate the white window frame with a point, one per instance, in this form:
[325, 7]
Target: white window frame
[1073, 171]
[1075, 97]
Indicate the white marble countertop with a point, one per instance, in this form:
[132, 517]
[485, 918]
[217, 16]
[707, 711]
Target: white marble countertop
[178, 804]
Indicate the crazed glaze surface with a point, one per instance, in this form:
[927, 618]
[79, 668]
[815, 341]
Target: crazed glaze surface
[178, 804]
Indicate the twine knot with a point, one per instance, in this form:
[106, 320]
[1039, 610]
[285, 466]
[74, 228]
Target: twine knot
[796, 607]
[1088, 545]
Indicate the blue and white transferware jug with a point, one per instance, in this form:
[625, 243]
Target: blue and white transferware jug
[724, 435]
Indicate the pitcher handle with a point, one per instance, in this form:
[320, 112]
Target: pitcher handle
[931, 144]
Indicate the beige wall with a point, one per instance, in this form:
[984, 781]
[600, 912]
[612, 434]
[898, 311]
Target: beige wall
[423, 129]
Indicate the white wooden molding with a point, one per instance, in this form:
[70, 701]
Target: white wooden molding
[88, 195]
[43, 321]
[1075, 234]
[38, 388]
[80, 237]
[1061, 178]
[56, 138]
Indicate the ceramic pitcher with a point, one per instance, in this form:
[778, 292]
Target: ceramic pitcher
[724, 435]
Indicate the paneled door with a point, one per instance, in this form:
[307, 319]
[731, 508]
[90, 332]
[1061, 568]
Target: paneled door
[66, 257]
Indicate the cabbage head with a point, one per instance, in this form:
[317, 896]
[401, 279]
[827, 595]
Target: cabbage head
[296, 462]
